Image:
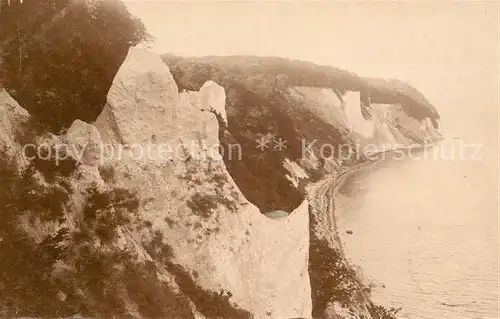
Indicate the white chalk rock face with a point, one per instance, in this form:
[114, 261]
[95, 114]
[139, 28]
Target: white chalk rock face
[190, 197]
[323, 102]
[213, 97]
[430, 130]
[296, 172]
[84, 143]
[357, 123]
[386, 136]
[138, 101]
[12, 118]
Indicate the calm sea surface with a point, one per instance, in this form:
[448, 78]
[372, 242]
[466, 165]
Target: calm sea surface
[425, 232]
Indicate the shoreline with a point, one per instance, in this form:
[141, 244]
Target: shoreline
[326, 188]
[339, 179]
[382, 156]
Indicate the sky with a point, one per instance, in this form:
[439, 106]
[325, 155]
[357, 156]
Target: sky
[447, 50]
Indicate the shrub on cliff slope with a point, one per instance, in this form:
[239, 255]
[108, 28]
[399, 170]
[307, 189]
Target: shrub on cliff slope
[59, 57]
[106, 211]
[380, 312]
[332, 278]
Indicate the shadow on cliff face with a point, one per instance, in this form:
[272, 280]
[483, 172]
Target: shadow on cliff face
[210, 304]
[259, 173]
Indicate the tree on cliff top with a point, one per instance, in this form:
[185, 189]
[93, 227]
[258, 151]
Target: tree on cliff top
[58, 58]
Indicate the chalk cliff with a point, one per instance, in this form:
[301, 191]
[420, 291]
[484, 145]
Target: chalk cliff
[214, 231]
[12, 117]
[150, 203]
[331, 120]
[159, 144]
[328, 117]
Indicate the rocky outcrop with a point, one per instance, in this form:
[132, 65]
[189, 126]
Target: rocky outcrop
[195, 225]
[323, 102]
[373, 126]
[330, 119]
[220, 253]
[213, 230]
[137, 103]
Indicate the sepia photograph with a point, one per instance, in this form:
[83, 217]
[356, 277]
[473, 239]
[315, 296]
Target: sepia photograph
[168, 159]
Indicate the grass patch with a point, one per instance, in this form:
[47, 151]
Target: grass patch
[202, 205]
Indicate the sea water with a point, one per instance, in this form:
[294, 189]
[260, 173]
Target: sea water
[425, 231]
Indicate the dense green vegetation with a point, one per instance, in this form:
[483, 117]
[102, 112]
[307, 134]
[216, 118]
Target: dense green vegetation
[106, 211]
[58, 57]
